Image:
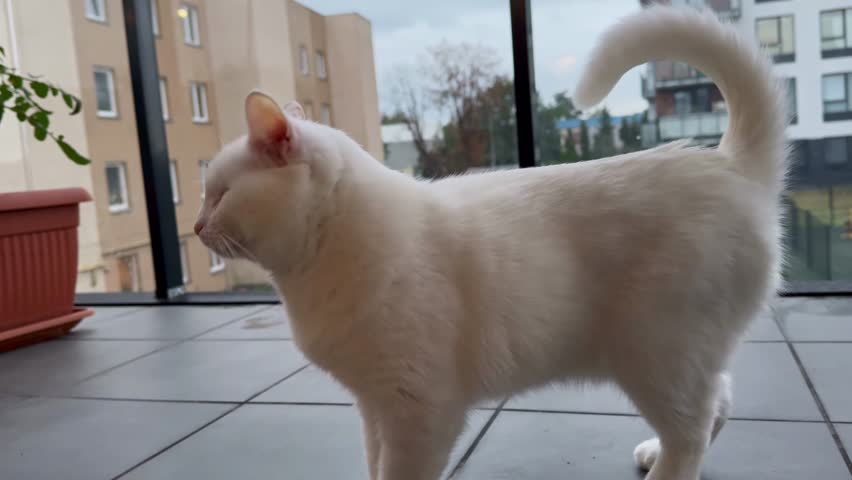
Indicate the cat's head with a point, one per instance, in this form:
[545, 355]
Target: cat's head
[264, 191]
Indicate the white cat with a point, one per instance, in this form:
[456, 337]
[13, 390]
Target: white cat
[424, 298]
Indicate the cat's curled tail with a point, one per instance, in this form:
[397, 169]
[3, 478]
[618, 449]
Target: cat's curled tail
[755, 139]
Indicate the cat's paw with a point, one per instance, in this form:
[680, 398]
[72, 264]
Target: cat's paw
[646, 453]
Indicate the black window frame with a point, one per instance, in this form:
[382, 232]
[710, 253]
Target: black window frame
[846, 50]
[837, 116]
[779, 57]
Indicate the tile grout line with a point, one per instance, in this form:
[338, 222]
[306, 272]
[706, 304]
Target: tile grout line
[169, 344]
[820, 405]
[207, 424]
[469, 452]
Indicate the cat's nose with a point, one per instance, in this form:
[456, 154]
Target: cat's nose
[199, 226]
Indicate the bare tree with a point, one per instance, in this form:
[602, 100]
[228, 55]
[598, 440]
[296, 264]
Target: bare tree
[451, 82]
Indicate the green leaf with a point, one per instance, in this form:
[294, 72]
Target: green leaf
[40, 119]
[54, 91]
[2, 52]
[78, 104]
[39, 133]
[39, 88]
[22, 116]
[2, 68]
[69, 152]
[15, 81]
[2, 109]
[5, 93]
[68, 99]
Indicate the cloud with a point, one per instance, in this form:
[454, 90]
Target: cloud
[565, 63]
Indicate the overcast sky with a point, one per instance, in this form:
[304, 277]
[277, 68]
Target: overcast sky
[563, 33]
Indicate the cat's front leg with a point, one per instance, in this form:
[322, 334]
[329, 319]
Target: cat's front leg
[417, 446]
[372, 442]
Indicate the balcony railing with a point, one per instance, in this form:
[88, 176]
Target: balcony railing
[693, 125]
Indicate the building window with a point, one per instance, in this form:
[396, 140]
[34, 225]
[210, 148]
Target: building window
[164, 99]
[835, 37]
[836, 152]
[777, 37]
[189, 18]
[105, 93]
[128, 273]
[202, 171]
[173, 176]
[216, 262]
[155, 18]
[682, 103]
[184, 262]
[116, 177]
[198, 93]
[96, 10]
[308, 107]
[325, 114]
[836, 101]
[304, 62]
[321, 72]
[792, 110]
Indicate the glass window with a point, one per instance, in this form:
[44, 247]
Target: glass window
[116, 178]
[164, 98]
[198, 94]
[217, 264]
[105, 93]
[834, 93]
[173, 176]
[128, 273]
[776, 35]
[96, 10]
[834, 151]
[202, 174]
[304, 62]
[308, 107]
[321, 73]
[832, 30]
[792, 108]
[325, 114]
[155, 17]
[191, 32]
[682, 103]
[184, 262]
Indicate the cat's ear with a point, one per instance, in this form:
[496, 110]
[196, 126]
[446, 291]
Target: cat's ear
[268, 127]
[294, 110]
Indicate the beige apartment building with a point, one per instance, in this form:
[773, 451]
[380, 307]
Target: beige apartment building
[210, 54]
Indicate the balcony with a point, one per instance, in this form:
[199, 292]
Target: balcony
[222, 393]
[726, 9]
[693, 125]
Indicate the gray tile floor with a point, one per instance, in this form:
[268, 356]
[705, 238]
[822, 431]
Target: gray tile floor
[222, 393]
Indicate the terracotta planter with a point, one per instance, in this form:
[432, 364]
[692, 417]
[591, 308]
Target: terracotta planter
[38, 265]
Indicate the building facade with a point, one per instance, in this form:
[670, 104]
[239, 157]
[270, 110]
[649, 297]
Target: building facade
[210, 54]
[810, 42]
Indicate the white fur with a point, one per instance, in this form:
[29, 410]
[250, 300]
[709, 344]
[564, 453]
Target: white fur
[424, 298]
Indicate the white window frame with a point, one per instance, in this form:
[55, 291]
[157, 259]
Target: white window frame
[173, 177]
[164, 99]
[304, 61]
[189, 19]
[198, 97]
[110, 76]
[322, 72]
[155, 18]
[184, 263]
[122, 185]
[217, 264]
[92, 15]
[202, 170]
